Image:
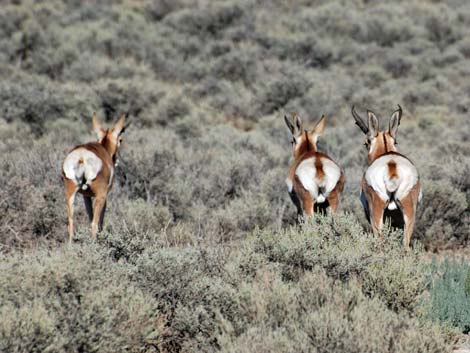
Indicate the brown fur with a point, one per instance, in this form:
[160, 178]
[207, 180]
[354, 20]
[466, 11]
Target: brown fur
[334, 196]
[392, 170]
[319, 167]
[409, 205]
[377, 207]
[106, 150]
[304, 196]
[306, 145]
[385, 144]
[306, 149]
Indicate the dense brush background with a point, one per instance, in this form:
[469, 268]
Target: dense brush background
[200, 251]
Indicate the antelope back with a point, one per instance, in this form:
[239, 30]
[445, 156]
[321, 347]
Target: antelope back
[304, 141]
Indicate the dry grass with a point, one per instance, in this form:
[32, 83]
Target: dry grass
[199, 223]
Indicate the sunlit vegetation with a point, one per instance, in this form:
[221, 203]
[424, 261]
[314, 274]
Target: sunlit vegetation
[200, 250]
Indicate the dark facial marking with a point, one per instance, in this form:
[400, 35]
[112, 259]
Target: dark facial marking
[306, 139]
[385, 143]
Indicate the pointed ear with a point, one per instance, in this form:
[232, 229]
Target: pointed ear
[395, 122]
[119, 126]
[295, 124]
[373, 124]
[289, 124]
[298, 124]
[99, 131]
[320, 127]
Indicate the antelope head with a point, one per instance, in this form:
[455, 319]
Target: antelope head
[378, 142]
[110, 138]
[303, 140]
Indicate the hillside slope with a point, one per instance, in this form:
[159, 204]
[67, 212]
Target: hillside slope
[200, 250]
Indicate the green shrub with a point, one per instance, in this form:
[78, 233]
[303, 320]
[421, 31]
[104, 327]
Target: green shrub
[208, 22]
[322, 315]
[278, 91]
[198, 222]
[235, 65]
[159, 10]
[73, 300]
[187, 283]
[121, 96]
[134, 225]
[449, 295]
[340, 247]
[443, 216]
[37, 101]
[438, 29]
[242, 297]
[467, 283]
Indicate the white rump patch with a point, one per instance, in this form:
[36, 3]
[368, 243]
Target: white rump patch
[82, 164]
[377, 176]
[319, 189]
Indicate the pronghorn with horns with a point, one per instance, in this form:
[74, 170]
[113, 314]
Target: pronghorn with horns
[314, 180]
[89, 170]
[391, 182]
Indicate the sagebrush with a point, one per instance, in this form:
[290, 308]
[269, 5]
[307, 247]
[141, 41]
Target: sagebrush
[200, 250]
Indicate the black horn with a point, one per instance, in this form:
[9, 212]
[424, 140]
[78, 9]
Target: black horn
[359, 122]
[125, 127]
[400, 112]
[127, 124]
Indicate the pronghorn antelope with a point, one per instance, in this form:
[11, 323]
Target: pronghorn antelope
[89, 169]
[314, 180]
[390, 185]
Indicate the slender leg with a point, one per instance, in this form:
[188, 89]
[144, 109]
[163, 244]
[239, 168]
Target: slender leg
[305, 197]
[409, 219]
[365, 205]
[333, 201]
[308, 204]
[98, 207]
[295, 199]
[377, 219]
[409, 205]
[101, 221]
[334, 197]
[88, 207]
[377, 207]
[70, 191]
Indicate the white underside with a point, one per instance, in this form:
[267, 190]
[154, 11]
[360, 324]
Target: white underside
[307, 174]
[89, 168]
[377, 176]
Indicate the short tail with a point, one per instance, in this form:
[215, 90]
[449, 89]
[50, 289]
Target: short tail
[392, 182]
[391, 178]
[80, 175]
